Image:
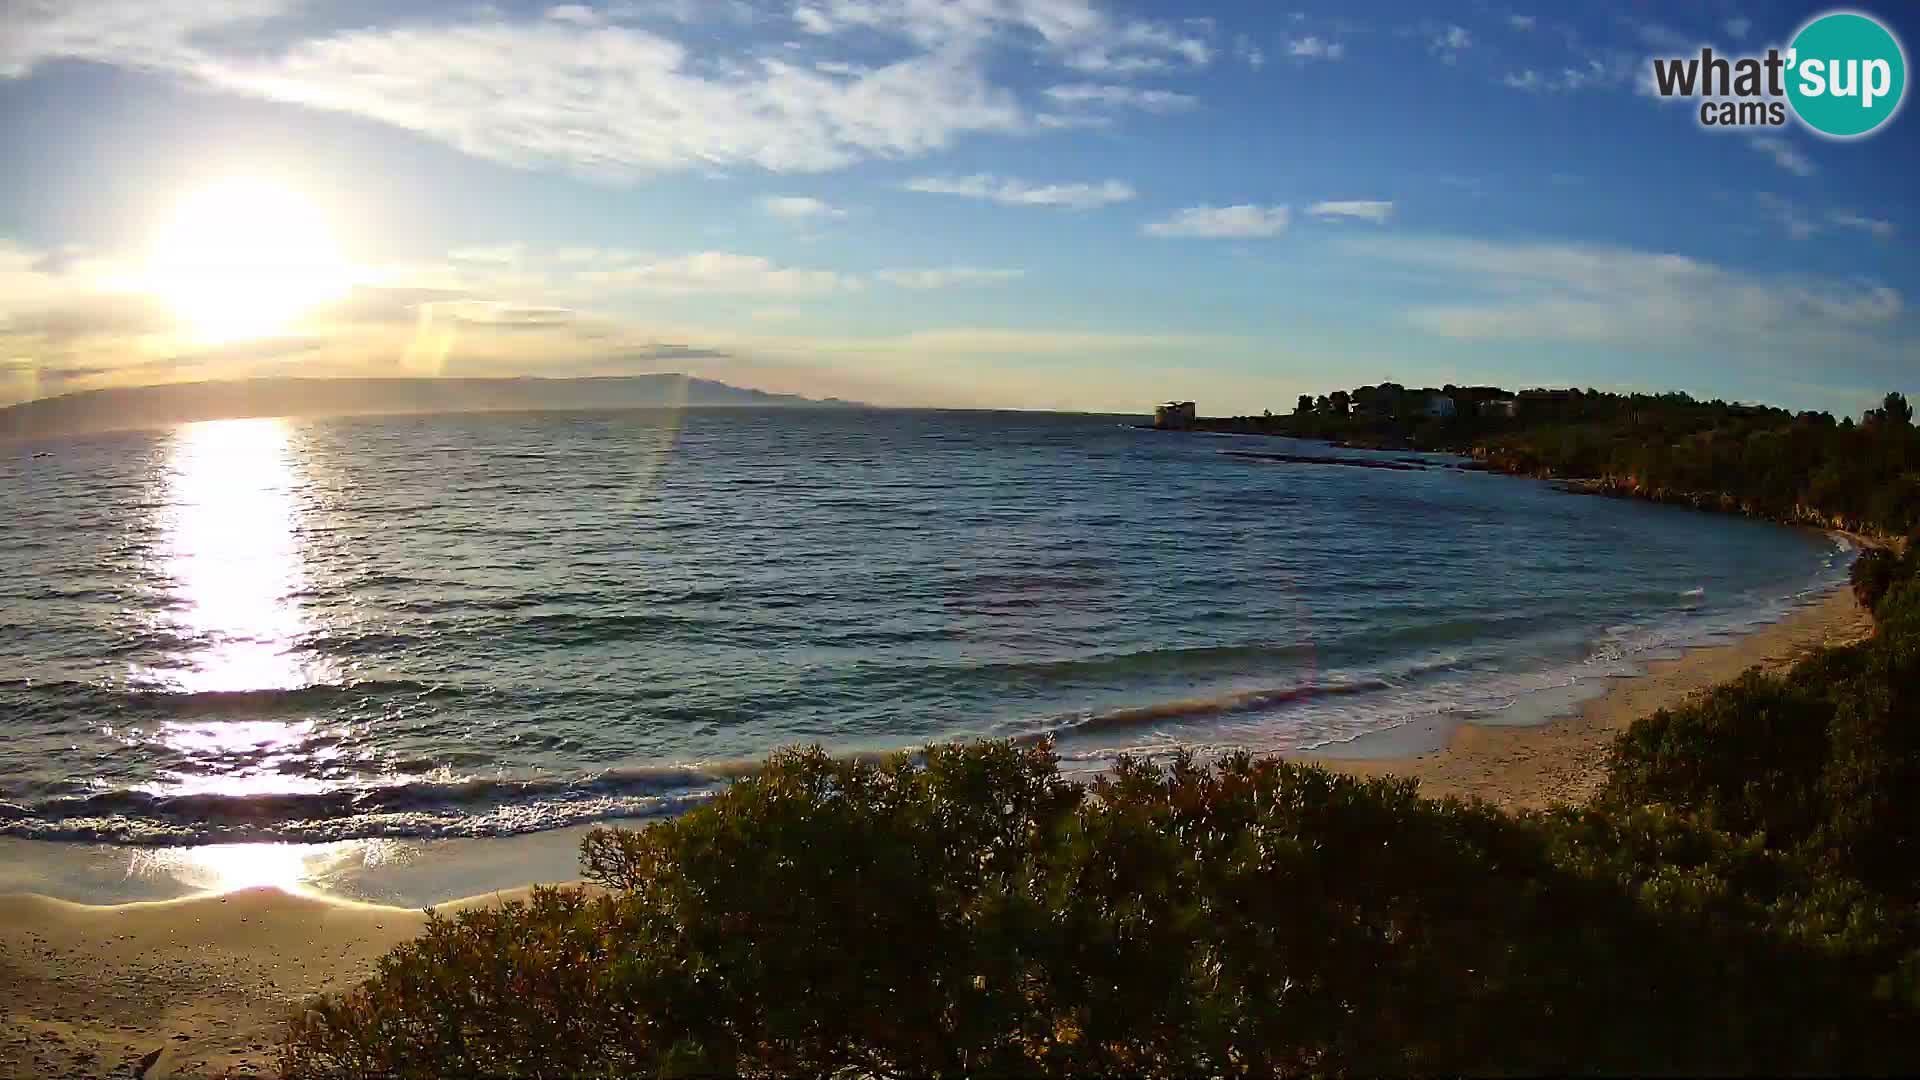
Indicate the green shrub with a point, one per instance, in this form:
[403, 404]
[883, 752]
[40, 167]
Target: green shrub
[1747, 756]
[1872, 573]
[1873, 773]
[971, 913]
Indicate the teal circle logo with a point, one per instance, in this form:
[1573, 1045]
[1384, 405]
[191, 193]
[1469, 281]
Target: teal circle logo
[1846, 74]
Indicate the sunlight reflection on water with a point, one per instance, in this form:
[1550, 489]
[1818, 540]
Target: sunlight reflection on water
[230, 555]
[294, 868]
[230, 552]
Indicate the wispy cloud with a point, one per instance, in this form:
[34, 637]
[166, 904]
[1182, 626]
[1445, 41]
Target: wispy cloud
[1315, 47]
[718, 272]
[498, 254]
[948, 277]
[1596, 294]
[800, 208]
[1522, 22]
[1375, 211]
[1847, 219]
[1074, 33]
[1015, 192]
[1120, 97]
[1246, 221]
[1249, 53]
[1737, 27]
[588, 89]
[1784, 154]
[1790, 217]
[1450, 41]
[1591, 73]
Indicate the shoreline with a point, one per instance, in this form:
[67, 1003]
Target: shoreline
[1533, 766]
[202, 974]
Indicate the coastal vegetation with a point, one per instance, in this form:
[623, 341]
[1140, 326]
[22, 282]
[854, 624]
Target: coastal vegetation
[1742, 896]
[1804, 467]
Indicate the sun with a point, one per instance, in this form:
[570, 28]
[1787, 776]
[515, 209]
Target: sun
[243, 259]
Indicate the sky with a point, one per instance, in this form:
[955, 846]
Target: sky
[1052, 204]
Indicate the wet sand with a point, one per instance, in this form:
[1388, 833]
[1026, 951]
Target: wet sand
[1564, 760]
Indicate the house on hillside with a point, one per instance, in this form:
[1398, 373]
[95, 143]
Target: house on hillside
[1174, 415]
[1437, 405]
[1500, 407]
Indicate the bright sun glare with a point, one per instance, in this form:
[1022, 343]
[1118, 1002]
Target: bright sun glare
[244, 259]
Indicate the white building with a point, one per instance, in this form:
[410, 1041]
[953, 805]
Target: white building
[1437, 405]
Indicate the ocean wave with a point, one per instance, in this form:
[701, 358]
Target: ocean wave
[1216, 705]
[419, 808]
[30, 697]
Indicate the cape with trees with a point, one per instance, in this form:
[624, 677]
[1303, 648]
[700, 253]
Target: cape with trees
[1804, 467]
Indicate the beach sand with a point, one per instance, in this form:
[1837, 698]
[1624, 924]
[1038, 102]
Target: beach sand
[206, 982]
[1564, 760]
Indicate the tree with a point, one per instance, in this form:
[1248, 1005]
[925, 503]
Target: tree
[1341, 401]
[1896, 410]
[1304, 405]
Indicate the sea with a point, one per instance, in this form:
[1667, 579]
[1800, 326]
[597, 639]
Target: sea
[481, 625]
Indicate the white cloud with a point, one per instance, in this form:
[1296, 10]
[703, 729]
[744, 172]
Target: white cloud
[1521, 22]
[1120, 97]
[987, 340]
[715, 272]
[948, 277]
[1846, 219]
[1375, 211]
[800, 208]
[1594, 73]
[1738, 27]
[1013, 192]
[501, 254]
[1797, 224]
[1314, 47]
[1249, 53]
[1451, 41]
[1074, 33]
[1579, 293]
[812, 20]
[134, 33]
[585, 89]
[1243, 221]
[624, 101]
[1784, 154]
[1073, 121]
[574, 13]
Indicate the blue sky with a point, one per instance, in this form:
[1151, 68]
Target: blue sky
[1029, 203]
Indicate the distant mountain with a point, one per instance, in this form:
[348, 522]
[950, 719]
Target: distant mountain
[179, 403]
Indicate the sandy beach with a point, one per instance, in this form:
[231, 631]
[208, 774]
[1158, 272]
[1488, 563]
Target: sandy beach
[1564, 760]
[202, 984]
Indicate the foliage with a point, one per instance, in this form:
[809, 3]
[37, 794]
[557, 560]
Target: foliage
[1764, 461]
[972, 913]
[1872, 574]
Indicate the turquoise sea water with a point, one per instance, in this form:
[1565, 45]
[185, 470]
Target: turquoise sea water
[492, 624]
